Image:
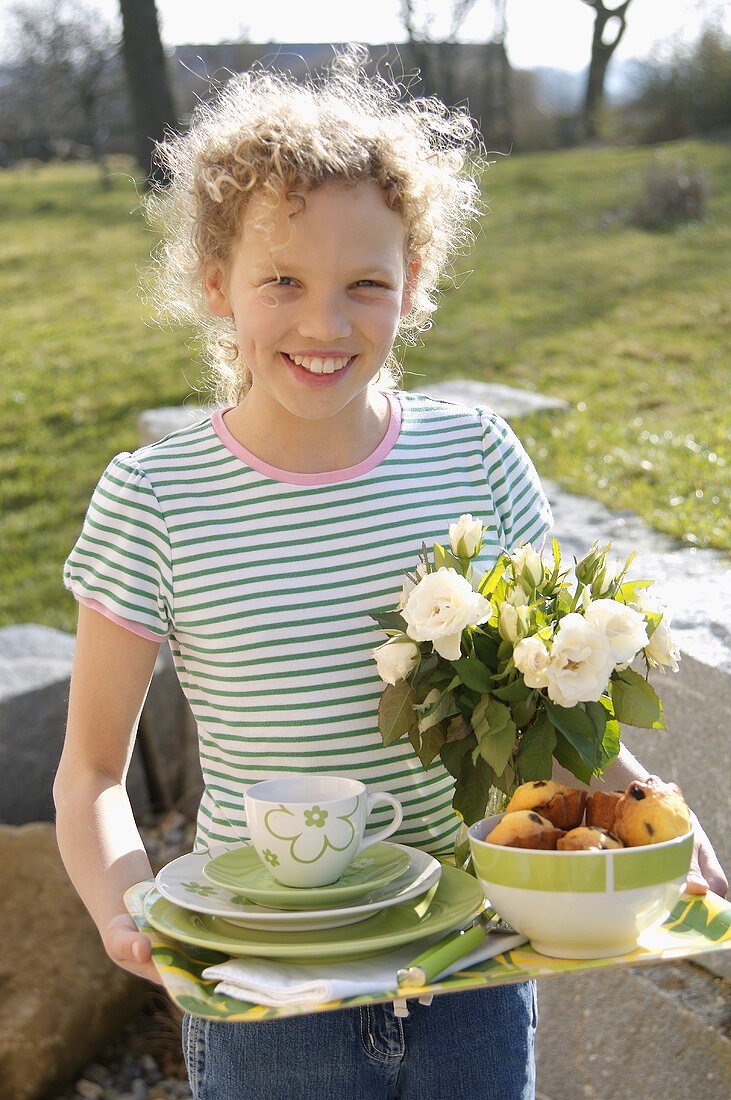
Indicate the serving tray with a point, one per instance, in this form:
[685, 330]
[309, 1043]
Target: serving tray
[695, 926]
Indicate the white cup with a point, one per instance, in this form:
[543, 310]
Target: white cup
[307, 828]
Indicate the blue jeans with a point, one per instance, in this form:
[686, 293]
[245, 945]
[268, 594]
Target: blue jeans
[476, 1045]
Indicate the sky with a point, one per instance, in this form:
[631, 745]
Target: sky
[540, 32]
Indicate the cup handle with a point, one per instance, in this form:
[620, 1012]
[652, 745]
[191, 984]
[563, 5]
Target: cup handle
[381, 797]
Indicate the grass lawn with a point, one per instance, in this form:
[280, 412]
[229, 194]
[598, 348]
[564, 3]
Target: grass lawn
[626, 325]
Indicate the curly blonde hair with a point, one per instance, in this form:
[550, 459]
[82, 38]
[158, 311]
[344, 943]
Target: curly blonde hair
[265, 135]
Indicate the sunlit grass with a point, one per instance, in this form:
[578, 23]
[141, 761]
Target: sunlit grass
[629, 327]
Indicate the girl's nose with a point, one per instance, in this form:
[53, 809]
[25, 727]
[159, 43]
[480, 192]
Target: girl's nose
[324, 319]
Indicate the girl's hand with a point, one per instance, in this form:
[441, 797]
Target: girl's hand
[129, 949]
[705, 871]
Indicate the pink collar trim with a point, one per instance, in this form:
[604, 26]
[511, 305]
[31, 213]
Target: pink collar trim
[327, 477]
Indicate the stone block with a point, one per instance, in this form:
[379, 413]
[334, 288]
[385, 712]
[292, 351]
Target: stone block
[153, 424]
[62, 999]
[507, 401]
[35, 670]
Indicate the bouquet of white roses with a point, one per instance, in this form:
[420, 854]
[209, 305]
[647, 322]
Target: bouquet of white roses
[497, 673]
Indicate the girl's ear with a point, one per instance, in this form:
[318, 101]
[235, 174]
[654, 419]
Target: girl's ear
[412, 278]
[214, 290]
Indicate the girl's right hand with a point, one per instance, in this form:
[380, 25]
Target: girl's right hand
[130, 949]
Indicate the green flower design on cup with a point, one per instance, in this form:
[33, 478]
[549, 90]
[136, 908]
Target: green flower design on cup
[313, 831]
[316, 816]
[314, 825]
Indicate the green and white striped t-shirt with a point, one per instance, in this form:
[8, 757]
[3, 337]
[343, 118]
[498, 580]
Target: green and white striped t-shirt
[263, 582]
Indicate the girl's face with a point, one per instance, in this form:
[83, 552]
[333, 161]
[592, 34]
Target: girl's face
[317, 300]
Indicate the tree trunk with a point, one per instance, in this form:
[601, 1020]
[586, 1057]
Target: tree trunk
[601, 55]
[144, 60]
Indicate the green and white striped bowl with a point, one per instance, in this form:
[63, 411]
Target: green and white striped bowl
[581, 905]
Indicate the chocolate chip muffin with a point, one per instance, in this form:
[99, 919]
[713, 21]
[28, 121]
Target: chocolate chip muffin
[601, 806]
[524, 829]
[588, 838]
[561, 805]
[650, 812]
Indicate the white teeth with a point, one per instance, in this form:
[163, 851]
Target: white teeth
[315, 365]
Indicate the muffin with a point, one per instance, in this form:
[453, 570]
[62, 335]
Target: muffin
[561, 805]
[601, 806]
[650, 812]
[588, 838]
[524, 829]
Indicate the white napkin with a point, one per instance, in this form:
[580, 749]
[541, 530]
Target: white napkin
[268, 982]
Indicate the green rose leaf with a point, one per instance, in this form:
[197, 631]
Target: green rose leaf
[578, 729]
[390, 620]
[453, 753]
[396, 715]
[472, 789]
[473, 674]
[569, 758]
[458, 729]
[495, 732]
[430, 744]
[635, 702]
[445, 559]
[535, 751]
[426, 667]
[490, 581]
[486, 647]
[515, 692]
[606, 725]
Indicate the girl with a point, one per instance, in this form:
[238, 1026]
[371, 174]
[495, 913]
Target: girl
[306, 228]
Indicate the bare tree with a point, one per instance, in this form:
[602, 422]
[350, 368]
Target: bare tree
[435, 56]
[477, 72]
[144, 60]
[610, 23]
[63, 71]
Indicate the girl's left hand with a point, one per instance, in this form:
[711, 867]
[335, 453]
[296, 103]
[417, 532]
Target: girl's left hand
[705, 871]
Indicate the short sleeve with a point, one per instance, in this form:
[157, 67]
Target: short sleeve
[121, 563]
[521, 506]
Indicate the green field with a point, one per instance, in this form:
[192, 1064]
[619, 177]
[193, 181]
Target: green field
[628, 326]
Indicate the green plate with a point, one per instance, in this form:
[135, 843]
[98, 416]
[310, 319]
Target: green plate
[241, 870]
[457, 898]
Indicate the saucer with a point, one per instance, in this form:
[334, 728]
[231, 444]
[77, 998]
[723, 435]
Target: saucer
[183, 883]
[241, 870]
[457, 898]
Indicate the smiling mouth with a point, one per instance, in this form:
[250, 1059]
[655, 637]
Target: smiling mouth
[313, 364]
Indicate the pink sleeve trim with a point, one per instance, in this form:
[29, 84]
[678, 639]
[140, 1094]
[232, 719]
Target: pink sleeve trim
[327, 477]
[135, 628]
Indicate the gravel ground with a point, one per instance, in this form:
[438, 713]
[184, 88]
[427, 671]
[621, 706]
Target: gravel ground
[145, 1061]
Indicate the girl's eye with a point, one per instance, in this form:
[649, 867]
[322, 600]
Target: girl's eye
[282, 280]
[371, 282]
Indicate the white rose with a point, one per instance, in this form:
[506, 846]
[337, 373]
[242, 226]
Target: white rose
[409, 585]
[661, 650]
[625, 628]
[581, 662]
[516, 596]
[465, 535]
[612, 570]
[440, 607]
[395, 659]
[527, 559]
[531, 659]
[512, 621]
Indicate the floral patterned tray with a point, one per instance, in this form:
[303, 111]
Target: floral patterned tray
[695, 926]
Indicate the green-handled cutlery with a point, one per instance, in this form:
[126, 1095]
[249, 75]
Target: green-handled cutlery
[454, 946]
